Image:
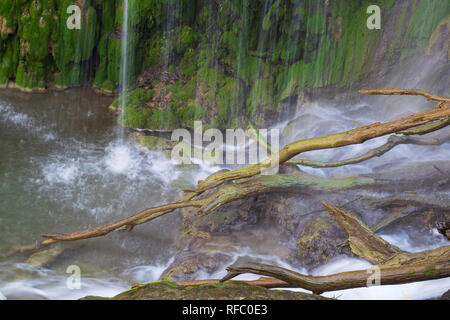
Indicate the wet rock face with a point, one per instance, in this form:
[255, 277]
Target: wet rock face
[194, 255]
[313, 236]
[44, 257]
[320, 239]
[221, 291]
[444, 229]
[190, 265]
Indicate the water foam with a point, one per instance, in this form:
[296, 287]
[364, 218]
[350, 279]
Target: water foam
[146, 273]
[23, 121]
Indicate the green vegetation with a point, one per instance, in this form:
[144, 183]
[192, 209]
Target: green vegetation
[228, 62]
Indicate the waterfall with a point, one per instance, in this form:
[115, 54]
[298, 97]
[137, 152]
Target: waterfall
[124, 65]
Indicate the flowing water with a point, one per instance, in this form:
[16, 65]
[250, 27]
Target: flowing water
[64, 166]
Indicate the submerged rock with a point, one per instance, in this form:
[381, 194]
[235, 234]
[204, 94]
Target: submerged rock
[165, 290]
[45, 257]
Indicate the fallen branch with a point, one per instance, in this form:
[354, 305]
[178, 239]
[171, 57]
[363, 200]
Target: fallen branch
[356, 136]
[229, 193]
[345, 280]
[363, 242]
[259, 138]
[392, 142]
[268, 283]
[367, 245]
[427, 128]
[410, 92]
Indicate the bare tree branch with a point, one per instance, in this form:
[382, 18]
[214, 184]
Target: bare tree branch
[411, 92]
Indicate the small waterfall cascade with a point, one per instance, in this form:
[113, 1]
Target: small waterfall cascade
[124, 62]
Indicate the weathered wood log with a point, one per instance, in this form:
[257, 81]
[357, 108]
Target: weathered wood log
[367, 245]
[363, 242]
[427, 128]
[265, 282]
[346, 280]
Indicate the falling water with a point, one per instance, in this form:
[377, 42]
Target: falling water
[124, 64]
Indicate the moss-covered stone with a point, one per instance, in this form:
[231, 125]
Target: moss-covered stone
[164, 290]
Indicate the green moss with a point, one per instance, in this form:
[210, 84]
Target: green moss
[261, 97]
[311, 233]
[166, 283]
[75, 46]
[9, 63]
[186, 38]
[180, 111]
[426, 17]
[108, 86]
[182, 92]
[430, 272]
[188, 64]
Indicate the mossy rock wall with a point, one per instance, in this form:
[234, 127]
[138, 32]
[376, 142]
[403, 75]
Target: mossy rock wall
[234, 60]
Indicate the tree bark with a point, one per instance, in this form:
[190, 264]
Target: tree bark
[347, 280]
